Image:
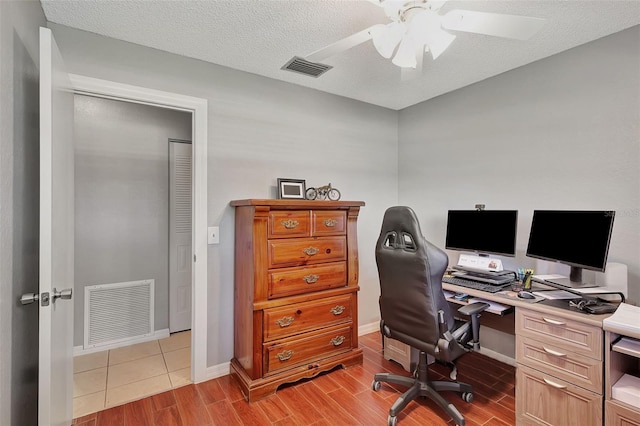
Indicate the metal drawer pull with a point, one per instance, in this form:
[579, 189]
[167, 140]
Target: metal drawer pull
[337, 310]
[337, 341]
[310, 251]
[284, 322]
[554, 384]
[284, 355]
[311, 278]
[554, 322]
[554, 353]
[290, 223]
[330, 223]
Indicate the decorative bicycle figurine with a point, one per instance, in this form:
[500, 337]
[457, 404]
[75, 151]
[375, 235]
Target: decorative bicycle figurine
[322, 193]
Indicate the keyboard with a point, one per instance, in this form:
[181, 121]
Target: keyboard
[476, 285]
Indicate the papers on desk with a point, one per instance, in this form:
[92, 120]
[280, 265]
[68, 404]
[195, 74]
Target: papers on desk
[555, 294]
[624, 321]
[548, 277]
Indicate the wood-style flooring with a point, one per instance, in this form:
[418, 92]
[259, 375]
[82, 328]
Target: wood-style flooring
[340, 397]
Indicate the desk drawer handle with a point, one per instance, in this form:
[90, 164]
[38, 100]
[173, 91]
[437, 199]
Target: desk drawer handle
[554, 322]
[554, 384]
[337, 310]
[311, 278]
[284, 322]
[290, 223]
[337, 341]
[285, 355]
[554, 353]
[330, 223]
[310, 251]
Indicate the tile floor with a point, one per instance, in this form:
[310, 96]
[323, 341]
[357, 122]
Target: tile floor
[109, 378]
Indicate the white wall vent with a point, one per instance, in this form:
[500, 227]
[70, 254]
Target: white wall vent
[118, 312]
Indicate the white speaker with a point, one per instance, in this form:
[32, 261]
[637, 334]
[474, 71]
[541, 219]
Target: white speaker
[614, 278]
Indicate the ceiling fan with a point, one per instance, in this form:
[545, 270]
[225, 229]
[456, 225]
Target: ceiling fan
[416, 27]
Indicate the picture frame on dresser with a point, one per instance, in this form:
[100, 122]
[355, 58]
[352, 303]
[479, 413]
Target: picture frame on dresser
[293, 189]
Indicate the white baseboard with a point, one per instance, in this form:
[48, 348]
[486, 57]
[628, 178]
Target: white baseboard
[159, 334]
[216, 371]
[497, 356]
[368, 328]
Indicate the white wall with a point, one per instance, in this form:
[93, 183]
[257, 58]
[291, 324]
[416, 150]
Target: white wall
[561, 133]
[259, 130]
[19, 195]
[122, 197]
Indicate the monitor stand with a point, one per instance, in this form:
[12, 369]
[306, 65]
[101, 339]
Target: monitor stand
[574, 280]
[566, 282]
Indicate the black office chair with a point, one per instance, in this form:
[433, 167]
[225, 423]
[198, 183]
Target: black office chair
[415, 312]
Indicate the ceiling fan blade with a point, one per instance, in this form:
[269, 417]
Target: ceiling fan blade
[434, 5]
[341, 45]
[493, 24]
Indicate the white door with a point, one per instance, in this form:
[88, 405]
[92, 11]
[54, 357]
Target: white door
[180, 200]
[55, 375]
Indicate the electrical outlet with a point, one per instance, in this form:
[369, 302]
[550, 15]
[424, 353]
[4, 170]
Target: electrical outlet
[213, 235]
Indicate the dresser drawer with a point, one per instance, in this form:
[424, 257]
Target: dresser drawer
[301, 317]
[567, 334]
[303, 251]
[289, 224]
[290, 281]
[328, 222]
[545, 400]
[306, 349]
[578, 369]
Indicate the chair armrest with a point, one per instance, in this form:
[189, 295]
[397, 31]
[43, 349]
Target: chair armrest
[473, 308]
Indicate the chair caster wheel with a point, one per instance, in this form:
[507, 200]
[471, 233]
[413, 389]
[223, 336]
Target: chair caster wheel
[467, 396]
[392, 421]
[375, 385]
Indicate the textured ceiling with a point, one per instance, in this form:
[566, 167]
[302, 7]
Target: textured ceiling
[259, 36]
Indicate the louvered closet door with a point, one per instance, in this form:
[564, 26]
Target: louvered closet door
[180, 196]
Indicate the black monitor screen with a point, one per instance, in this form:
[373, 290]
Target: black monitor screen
[482, 231]
[576, 238]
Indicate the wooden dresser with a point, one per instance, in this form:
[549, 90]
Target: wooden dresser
[295, 296]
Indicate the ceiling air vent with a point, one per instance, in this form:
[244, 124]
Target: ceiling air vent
[302, 66]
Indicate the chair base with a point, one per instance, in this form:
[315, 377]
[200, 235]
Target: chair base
[422, 386]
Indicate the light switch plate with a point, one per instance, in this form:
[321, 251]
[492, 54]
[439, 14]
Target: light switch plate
[213, 235]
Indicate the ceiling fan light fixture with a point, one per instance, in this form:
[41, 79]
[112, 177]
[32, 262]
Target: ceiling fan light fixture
[386, 37]
[439, 43]
[424, 25]
[406, 54]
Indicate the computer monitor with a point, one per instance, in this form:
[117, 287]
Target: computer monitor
[578, 238]
[482, 231]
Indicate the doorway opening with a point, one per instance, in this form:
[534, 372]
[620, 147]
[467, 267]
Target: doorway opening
[181, 354]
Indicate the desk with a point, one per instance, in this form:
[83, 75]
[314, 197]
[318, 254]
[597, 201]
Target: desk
[559, 361]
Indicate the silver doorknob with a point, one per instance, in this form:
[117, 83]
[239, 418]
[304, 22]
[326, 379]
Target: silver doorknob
[28, 298]
[62, 294]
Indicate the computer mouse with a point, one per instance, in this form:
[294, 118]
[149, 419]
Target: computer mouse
[526, 295]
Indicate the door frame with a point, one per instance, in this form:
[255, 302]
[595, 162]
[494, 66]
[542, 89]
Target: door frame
[198, 107]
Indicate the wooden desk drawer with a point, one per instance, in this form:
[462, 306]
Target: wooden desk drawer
[328, 222]
[620, 414]
[567, 334]
[578, 369]
[303, 251]
[299, 280]
[301, 317]
[545, 400]
[289, 224]
[306, 349]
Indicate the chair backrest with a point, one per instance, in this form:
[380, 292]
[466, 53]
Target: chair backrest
[410, 270]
